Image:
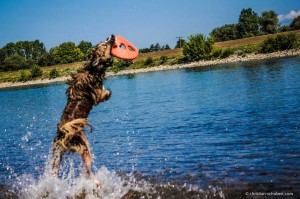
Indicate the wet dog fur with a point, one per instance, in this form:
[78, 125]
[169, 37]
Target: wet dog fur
[85, 91]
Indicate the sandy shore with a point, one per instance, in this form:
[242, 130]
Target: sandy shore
[231, 59]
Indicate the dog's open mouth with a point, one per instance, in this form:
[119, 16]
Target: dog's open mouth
[111, 39]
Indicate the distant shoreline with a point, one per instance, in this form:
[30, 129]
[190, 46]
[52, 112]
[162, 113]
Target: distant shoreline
[231, 59]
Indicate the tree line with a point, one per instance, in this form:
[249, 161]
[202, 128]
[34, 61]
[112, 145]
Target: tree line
[251, 24]
[200, 47]
[154, 48]
[25, 54]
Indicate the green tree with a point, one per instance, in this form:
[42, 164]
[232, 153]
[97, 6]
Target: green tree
[180, 42]
[295, 25]
[157, 47]
[225, 33]
[165, 47]
[66, 52]
[54, 52]
[284, 28]
[144, 50]
[31, 51]
[85, 47]
[248, 24]
[6, 51]
[14, 62]
[269, 22]
[46, 59]
[38, 49]
[198, 47]
[152, 48]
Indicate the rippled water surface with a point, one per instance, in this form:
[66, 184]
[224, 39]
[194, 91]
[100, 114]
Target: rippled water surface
[226, 125]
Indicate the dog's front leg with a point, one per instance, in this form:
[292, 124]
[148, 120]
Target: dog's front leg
[103, 95]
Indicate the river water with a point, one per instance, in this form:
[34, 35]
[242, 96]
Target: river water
[225, 131]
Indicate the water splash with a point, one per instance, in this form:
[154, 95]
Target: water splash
[69, 185]
[113, 185]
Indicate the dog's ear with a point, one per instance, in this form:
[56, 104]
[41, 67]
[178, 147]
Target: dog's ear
[90, 56]
[93, 58]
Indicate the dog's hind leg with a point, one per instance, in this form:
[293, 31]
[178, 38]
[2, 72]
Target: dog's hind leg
[86, 156]
[57, 154]
[85, 152]
[87, 160]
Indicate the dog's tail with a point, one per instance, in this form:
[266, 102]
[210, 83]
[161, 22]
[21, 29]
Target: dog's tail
[71, 129]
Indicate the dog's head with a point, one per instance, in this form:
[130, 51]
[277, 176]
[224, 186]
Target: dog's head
[100, 56]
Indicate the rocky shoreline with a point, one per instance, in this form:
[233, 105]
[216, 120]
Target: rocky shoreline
[231, 59]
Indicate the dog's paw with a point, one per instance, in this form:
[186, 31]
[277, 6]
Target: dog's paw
[109, 95]
[96, 182]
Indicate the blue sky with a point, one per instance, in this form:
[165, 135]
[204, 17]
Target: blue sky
[141, 22]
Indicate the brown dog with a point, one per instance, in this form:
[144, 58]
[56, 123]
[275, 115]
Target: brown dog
[85, 90]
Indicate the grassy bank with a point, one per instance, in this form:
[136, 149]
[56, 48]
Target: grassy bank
[250, 41]
[240, 47]
[172, 53]
[64, 70]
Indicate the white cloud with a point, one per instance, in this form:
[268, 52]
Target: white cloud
[290, 16]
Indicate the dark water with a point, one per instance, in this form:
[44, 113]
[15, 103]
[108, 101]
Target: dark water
[233, 125]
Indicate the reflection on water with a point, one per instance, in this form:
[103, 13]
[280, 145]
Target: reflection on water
[216, 131]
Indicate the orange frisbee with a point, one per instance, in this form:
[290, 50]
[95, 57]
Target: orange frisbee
[123, 49]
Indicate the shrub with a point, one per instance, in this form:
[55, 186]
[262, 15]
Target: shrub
[24, 76]
[163, 59]
[179, 60]
[53, 73]
[219, 53]
[137, 65]
[118, 63]
[199, 47]
[36, 71]
[268, 46]
[253, 48]
[290, 41]
[216, 53]
[149, 62]
[281, 42]
[227, 52]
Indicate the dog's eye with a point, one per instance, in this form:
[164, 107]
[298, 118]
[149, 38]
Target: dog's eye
[105, 46]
